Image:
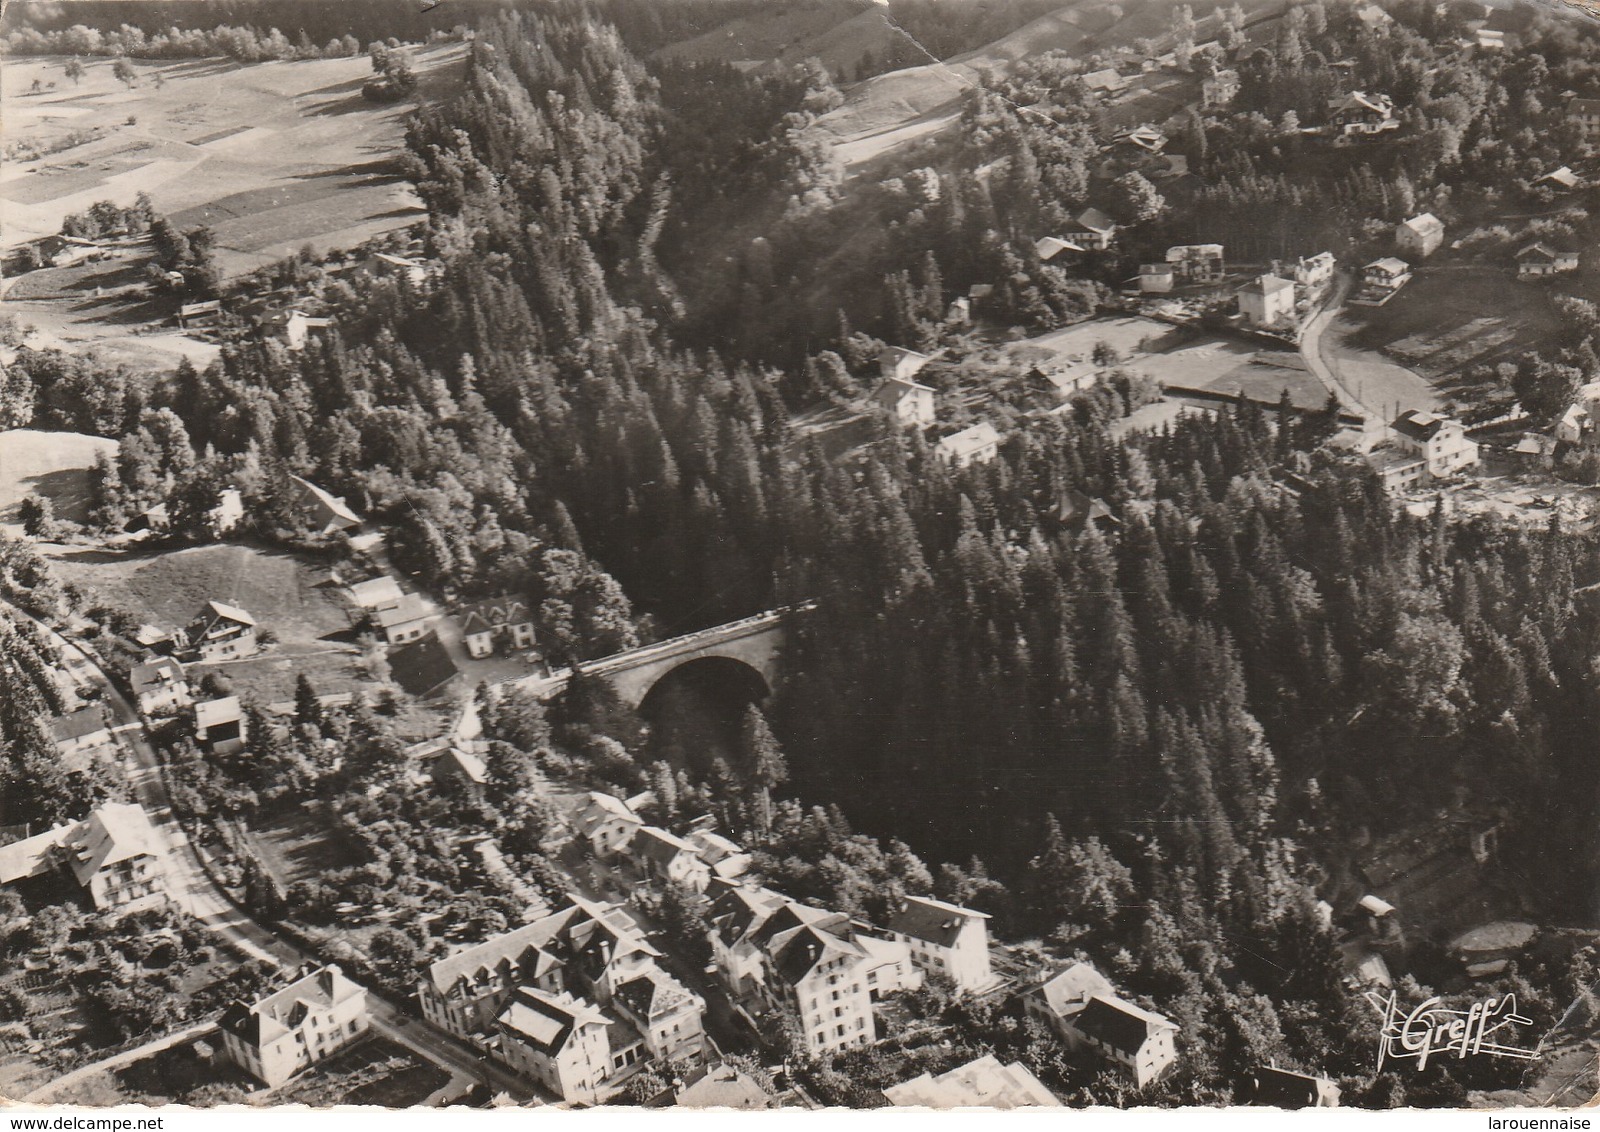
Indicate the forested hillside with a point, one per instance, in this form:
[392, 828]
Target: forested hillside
[1158, 739]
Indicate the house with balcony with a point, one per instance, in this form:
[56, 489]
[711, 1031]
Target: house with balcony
[1196, 263]
[221, 632]
[1360, 115]
[1092, 229]
[115, 854]
[1539, 259]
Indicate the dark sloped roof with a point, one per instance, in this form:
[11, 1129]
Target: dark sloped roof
[422, 665]
[923, 917]
[1283, 1088]
[1120, 1025]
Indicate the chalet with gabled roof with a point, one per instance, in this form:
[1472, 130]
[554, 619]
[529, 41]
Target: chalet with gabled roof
[319, 510]
[1361, 115]
[115, 854]
[221, 632]
[1540, 259]
[1092, 229]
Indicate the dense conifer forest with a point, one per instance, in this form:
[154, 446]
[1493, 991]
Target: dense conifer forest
[1153, 743]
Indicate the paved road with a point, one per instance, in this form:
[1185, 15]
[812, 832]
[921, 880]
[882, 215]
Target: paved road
[1311, 347]
[1364, 380]
[193, 890]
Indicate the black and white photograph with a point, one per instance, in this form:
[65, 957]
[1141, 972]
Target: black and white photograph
[759, 555]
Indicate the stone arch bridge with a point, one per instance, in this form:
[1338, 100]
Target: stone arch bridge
[754, 642]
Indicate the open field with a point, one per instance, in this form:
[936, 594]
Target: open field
[103, 310]
[297, 845]
[876, 112]
[283, 593]
[1453, 318]
[272, 156]
[791, 33]
[54, 465]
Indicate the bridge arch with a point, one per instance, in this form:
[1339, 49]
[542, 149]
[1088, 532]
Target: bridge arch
[752, 659]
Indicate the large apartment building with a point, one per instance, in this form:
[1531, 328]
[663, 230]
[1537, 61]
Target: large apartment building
[777, 953]
[588, 962]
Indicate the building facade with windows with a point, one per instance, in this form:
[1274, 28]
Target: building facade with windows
[312, 1018]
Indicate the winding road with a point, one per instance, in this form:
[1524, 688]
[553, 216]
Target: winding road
[1364, 381]
[192, 889]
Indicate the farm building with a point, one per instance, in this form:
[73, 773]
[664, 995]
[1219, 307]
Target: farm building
[319, 510]
[1540, 259]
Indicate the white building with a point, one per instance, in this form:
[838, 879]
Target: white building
[115, 853]
[403, 622]
[607, 823]
[983, 1083]
[976, 445]
[775, 951]
[945, 938]
[1055, 1001]
[1138, 1042]
[668, 857]
[159, 686]
[898, 363]
[310, 1019]
[909, 402]
[1420, 236]
[1441, 441]
[558, 1041]
[1266, 300]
